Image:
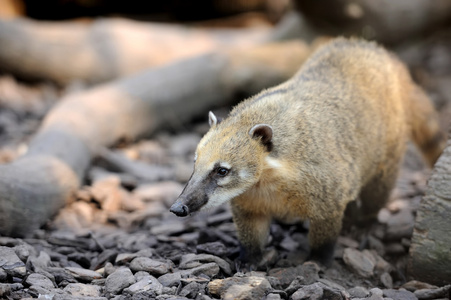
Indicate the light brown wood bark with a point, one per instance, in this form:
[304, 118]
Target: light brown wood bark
[430, 258]
[106, 48]
[385, 21]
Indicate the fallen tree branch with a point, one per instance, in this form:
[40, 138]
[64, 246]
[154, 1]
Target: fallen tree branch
[381, 20]
[110, 48]
[35, 186]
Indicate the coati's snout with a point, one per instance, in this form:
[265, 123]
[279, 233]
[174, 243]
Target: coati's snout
[192, 198]
[179, 209]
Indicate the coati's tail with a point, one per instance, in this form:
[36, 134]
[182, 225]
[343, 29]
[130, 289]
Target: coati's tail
[425, 126]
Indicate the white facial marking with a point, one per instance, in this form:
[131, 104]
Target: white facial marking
[273, 163]
[225, 165]
[243, 174]
[195, 156]
[220, 198]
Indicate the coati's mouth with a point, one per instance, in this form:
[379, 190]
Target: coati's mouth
[182, 207]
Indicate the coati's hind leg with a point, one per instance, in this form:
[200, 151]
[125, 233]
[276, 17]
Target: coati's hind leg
[376, 194]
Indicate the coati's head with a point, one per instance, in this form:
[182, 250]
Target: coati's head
[228, 161]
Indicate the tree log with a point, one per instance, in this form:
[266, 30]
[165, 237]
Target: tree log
[385, 21]
[34, 187]
[430, 251]
[110, 48]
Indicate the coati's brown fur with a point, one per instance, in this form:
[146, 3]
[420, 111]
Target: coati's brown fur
[334, 132]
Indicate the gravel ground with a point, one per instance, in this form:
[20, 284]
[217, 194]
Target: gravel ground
[118, 240]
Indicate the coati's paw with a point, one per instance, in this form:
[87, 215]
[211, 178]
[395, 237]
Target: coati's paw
[323, 254]
[257, 261]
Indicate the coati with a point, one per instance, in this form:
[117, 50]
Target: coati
[333, 133]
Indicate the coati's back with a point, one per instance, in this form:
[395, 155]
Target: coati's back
[333, 133]
[347, 104]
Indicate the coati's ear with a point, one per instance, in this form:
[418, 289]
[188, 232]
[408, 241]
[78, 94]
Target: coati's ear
[212, 120]
[264, 133]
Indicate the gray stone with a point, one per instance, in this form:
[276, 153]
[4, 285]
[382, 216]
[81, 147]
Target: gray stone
[40, 262]
[414, 285]
[308, 271]
[331, 284]
[71, 297]
[152, 266]
[431, 242]
[376, 244]
[169, 290]
[144, 284]
[332, 293]
[399, 294]
[39, 280]
[83, 274]
[312, 292]
[209, 269]
[140, 275]
[119, 280]
[82, 290]
[361, 262]
[170, 279]
[253, 287]
[191, 260]
[61, 275]
[123, 258]
[215, 248]
[377, 292]
[11, 263]
[386, 280]
[442, 292]
[273, 297]
[43, 292]
[295, 285]
[108, 269]
[168, 228]
[5, 290]
[382, 266]
[191, 290]
[3, 275]
[24, 250]
[358, 292]
[400, 225]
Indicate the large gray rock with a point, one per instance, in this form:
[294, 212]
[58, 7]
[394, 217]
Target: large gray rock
[430, 258]
[119, 280]
[39, 280]
[10, 262]
[253, 287]
[82, 290]
[361, 262]
[152, 266]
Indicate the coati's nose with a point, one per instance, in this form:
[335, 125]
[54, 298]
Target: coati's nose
[179, 209]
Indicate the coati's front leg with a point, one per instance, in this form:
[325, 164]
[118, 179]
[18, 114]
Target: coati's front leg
[323, 234]
[253, 230]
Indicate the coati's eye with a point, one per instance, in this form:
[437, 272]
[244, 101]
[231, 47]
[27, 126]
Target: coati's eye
[222, 171]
